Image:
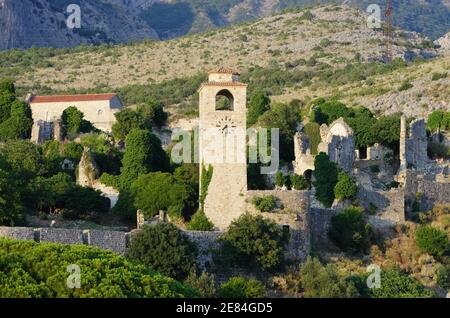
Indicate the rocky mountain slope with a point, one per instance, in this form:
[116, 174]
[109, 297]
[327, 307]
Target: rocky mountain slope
[42, 23]
[326, 51]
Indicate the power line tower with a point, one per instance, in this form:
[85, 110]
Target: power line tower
[388, 30]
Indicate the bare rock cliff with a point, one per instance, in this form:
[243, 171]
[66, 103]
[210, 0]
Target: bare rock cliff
[42, 23]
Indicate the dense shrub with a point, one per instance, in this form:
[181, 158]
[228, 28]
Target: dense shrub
[258, 105]
[443, 276]
[299, 182]
[432, 240]
[254, 242]
[238, 287]
[12, 211]
[200, 222]
[165, 249]
[326, 177]
[143, 154]
[345, 188]
[319, 281]
[73, 122]
[326, 112]
[30, 270]
[350, 231]
[397, 284]
[205, 284]
[267, 203]
[159, 191]
[284, 117]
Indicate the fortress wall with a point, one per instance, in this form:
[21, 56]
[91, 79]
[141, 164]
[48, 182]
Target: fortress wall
[18, 233]
[106, 240]
[294, 216]
[63, 236]
[320, 224]
[206, 242]
[390, 206]
[434, 189]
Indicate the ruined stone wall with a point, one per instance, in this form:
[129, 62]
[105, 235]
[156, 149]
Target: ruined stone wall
[294, 214]
[107, 240]
[390, 206]
[206, 242]
[434, 189]
[417, 143]
[320, 224]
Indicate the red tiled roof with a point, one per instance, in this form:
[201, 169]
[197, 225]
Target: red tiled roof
[71, 98]
[224, 70]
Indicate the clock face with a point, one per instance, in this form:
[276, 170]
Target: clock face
[225, 125]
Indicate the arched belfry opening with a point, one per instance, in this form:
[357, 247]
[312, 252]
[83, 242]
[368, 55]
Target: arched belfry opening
[224, 100]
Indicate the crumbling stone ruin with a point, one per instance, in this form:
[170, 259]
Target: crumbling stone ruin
[413, 144]
[46, 130]
[338, 143]
[87, 169]
[304, 160]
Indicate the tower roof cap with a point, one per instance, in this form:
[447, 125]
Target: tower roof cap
[224, 70]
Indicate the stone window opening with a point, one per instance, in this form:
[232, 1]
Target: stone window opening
[363, 153]
[224, 100]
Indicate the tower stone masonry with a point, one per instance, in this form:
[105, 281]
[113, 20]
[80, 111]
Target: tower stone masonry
[222, 145]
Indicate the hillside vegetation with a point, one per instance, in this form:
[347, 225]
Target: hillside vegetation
[325, 51]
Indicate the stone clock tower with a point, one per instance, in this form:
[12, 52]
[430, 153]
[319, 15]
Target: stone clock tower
[222, 145]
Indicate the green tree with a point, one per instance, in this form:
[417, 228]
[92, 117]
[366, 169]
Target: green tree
[345, 188]
[24, 159]
[165, 249]
[362, 125]
[255, 242]
[73, 151]
[200, 222]
[432, 240]
[319, 281]
[387, 130]
[285, 117]
[326, 112]
[7, 97]
[126, 121]
[350, 231]
[436, 121]
[143, 154]
[19, 124]
[159, 191]
[238, 287]
[299, 182]
[326, 177]
[258, 105]
[31, 270]
[153, 113]
[12, 212]
[72, 120]
[205, 284]
[397, 284]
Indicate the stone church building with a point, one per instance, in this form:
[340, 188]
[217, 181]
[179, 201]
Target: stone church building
[99, 109]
